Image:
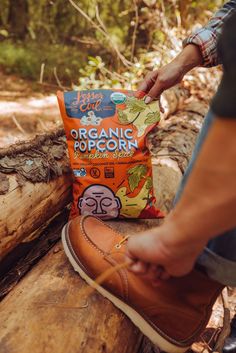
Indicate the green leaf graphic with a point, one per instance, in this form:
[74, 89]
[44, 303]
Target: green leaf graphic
[140, 169]
[152, 118]
[135, 175]
[123, 118]
[135, 105]
[133, 181]
[139, 114]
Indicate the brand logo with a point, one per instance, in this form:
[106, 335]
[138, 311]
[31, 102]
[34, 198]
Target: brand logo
[82, 104]
[118, 98]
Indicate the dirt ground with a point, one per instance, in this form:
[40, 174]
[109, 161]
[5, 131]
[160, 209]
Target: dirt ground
[26, 109]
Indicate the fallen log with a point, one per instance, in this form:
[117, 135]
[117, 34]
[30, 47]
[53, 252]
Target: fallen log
[171, 146]
[17, 263]
[35, 183]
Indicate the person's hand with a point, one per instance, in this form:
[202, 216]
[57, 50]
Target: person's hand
[158, 256]
[156, 82]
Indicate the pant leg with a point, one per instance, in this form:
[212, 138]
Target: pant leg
[201, 138]
[219, 257]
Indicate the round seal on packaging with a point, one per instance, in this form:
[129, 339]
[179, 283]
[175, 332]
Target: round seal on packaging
[118, 98]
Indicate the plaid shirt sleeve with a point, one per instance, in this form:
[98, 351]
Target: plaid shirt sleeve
[207, 37]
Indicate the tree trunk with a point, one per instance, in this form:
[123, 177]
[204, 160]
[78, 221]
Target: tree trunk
[18, 18]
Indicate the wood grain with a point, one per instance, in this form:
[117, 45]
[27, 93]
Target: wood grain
[44, 313]
[25, 208]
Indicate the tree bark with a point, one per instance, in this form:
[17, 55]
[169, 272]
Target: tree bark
[18, 18]
[171, 145]
[35, 185]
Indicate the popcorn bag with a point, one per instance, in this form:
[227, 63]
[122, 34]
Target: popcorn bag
[106, 133]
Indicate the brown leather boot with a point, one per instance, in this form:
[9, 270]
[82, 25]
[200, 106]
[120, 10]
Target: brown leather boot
[172, 316]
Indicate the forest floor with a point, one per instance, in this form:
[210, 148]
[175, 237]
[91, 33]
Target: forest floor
[26, 108]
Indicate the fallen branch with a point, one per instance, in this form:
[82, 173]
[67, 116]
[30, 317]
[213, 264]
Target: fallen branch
[135, 29]
[45, 84]
[57, 79]
[16, 122]
[44, 127]
[100, 20]
[87, 41]
[41, 73]
[105, 34]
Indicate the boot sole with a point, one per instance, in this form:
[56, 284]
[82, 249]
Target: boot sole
[132, 314]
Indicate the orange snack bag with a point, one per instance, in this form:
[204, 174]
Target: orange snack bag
[106, 133]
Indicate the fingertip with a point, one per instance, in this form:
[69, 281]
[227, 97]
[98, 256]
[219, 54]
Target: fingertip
[156, 91]
[138, 267]
[148, 100]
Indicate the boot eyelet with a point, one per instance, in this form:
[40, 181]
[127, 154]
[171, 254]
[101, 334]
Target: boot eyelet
[118, 246]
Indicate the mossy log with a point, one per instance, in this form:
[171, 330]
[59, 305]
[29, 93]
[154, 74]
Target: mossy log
[35, 184]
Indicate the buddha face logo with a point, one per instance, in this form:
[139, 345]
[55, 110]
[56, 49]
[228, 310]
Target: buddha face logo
[100, 201]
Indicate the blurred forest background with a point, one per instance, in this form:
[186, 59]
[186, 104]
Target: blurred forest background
[94, 43]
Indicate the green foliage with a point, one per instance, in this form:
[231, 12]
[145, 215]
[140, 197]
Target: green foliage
[4, 5]
[27, 60]
[18, 60]
[61, 37]
[96, 74]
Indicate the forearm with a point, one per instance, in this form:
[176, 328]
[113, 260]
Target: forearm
[189, 58]
[208, 204]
